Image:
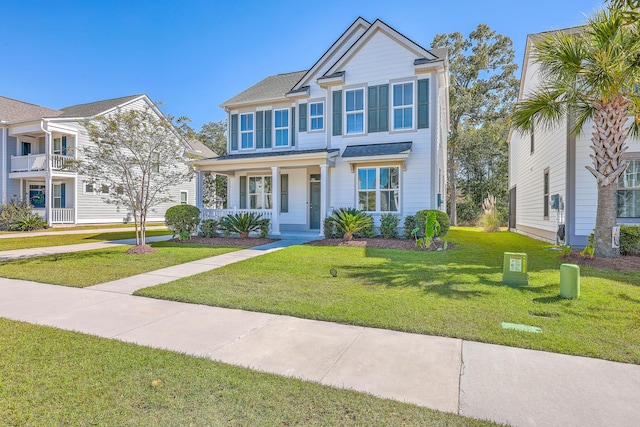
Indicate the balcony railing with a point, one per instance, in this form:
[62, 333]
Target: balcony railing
[39, 162]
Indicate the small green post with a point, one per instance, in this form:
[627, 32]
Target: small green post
[569, 281]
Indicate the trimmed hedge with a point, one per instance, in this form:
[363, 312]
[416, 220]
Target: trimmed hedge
[182, 220]
[630, 239]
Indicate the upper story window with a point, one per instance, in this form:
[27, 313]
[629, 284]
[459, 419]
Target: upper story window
[629, 191]
[354, 111]
[246, 131]
[281, 127]
[545, 191]
[316, 116]
[403, 106]
[60, 145]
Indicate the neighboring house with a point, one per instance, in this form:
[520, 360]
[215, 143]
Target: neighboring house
[35, 144]
[550, 162]
[365, 127]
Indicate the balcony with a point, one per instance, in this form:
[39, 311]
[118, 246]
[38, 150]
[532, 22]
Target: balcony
[39, 162]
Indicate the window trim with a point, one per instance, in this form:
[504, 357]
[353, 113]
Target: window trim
[413, 106]
[546, 181]
[532, 148]
[275, 130]
[620, 188]
[263, 194]
[378, 190]
[345, 113]
[84, 187]
[252, 132]
[310, 117]
[186, 201]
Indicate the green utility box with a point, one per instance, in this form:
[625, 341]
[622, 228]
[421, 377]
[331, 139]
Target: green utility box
[569, 281]
[514, 271]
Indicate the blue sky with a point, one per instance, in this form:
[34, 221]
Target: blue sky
[193, 55]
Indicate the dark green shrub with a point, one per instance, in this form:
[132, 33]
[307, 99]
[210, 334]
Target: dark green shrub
[242, 223]
[182, 220]
[27, 222]
[630, 239]
[389, 225]
[410, 222]
[441, 217]
[468, 212]
[209, 228]
[264, 228]
[330, 229]
[351, 221]
[12, 210]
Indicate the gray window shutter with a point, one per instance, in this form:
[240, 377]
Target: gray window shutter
[372, 114]
[337, 112]
[383, 108]
[267, 129]
[284, 193]
[234, 131]
[259, 129]
[293, 126]
[243, 192]
[302, 119]
[423, 104]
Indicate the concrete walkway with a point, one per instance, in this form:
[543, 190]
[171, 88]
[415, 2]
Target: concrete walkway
[62, 231]
[509, 385]
[51, 250]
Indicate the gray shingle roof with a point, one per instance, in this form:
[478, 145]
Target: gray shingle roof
[12, 110]
[276, 153]
[271, 88]
[368, 150]
[201, 149]
[94, 108]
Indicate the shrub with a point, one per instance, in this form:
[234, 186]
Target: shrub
[630, 239]
[264, 228]
[368, 232]
[182, 220]
[12, 210]
[490, 220]
[431, 230]
[330, 229]
[389, 225]
[350, 221]
[467, 212]
[27, 222]
[410, 222]
[441, 217]
[242, 223]
[209, 228]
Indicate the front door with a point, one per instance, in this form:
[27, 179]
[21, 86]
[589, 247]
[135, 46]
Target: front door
[314, 205]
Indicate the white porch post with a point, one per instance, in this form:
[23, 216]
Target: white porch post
[48, 189]
[324, 187]
[75, 199]
[275, 200]
[199, 189]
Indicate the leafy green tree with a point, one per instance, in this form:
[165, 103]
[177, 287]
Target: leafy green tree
[483, 87]
[592, 76]
[214, 136]
[136, 159]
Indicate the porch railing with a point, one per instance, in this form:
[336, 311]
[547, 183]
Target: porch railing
[62, 216]
[218, 214]
[38, 162]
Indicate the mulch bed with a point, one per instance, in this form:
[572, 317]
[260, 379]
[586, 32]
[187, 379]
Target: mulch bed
[226, 241]
[623, 263]
[402, 244]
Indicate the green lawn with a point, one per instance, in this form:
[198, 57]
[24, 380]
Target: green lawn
[70, 239]
[59, 378]
[80, 269]
[457, 293]
[82, 227]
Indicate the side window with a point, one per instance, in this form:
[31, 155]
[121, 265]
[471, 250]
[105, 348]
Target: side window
[545, 186]
[184, 197]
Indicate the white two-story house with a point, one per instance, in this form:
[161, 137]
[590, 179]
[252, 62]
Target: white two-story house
[365, 127]
[35, 145]
[550, 188]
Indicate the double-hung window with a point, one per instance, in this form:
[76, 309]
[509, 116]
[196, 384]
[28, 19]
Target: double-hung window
[60, 145]
[629, 191]
[354, 110]
[403, 106]
[379, 189]
[281, 127]
[260, 192]
[545, 191]
[246, 131]
[316, 116]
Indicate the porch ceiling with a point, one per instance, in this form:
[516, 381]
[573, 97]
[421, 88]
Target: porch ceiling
[229, 165]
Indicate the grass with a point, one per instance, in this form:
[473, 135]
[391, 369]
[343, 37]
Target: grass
[70, 239]
[67, 378]
[82, 227]
[81, 269]
[456, 293]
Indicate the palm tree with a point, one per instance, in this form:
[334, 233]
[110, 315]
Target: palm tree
[591, 74]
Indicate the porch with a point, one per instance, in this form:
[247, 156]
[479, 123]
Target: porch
[53, 198]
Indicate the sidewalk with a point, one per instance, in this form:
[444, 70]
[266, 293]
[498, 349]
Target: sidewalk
[51, 250]
[88, 231]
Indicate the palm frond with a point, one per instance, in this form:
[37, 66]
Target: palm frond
[544, 107]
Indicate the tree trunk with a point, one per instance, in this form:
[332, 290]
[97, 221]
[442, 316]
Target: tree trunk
[608, 144]
[143, 228]
[606, 219]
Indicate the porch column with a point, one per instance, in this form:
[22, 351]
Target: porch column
[199, 189]
[48, 196]
[275, 200]
[324, 187]
[75, 199]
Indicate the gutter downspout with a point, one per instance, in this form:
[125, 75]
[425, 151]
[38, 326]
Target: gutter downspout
[48, 184]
